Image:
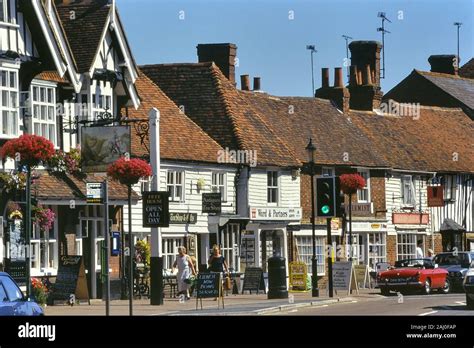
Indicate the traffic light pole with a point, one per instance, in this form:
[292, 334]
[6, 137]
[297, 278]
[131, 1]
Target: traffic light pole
[329, 243]
[314, 264]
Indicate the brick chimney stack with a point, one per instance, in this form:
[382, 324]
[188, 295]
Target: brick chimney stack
[364, 84]
[337, 94]
[222, 54]
[245, 82]
[444, 63]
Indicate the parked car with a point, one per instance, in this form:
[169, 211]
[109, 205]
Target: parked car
[469, 287]
[457, 264]
[12, 300]
[414, 275]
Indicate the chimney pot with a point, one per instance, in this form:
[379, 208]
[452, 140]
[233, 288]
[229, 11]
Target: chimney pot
[338, 80]
[222, 54]
[245, 82]
[353, 80]
[256, 83]
[325, 77]
[444, 63]
[367, 76]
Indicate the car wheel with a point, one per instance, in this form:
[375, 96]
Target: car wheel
[427, 287]
[469, 302]
[385, 291]
[447, 287]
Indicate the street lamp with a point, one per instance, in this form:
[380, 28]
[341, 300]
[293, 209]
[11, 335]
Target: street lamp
[311, 150]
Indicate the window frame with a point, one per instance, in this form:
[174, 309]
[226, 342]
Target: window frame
[365, 173]
[173, 197]
[49, 106]
[407, 243]
[11, 110]
[228, 237]
[403, 180]
[450, 188]
[273, 188]
[6, 15]
[169, 256]
[216, 186]
[330, 171]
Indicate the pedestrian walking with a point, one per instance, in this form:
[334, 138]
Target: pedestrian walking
[185, 270]
[217, 263]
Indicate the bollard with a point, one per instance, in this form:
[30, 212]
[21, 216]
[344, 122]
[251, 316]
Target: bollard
[277, 278]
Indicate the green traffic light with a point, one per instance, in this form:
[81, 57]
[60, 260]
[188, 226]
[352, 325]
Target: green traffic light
[325, 209]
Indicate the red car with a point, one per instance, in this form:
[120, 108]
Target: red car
[414, 275]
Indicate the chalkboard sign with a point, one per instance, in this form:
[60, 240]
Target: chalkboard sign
[253, 280]
[156, 211]
[209, 285]
[71, 279]
[343, 276]
[212, 203]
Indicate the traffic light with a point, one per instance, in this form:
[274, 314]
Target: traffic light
[326, 198]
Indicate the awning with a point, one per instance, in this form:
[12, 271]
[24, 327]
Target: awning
[451, 225]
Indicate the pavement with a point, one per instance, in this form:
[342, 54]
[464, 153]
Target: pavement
[248, 304]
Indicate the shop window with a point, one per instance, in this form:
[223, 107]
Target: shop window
[272, 187]
[377, 249]
[228, 237]
[304, 245]
[406, 246]
[219, 184]
[169, 251]
[363, 195]
[175, 185]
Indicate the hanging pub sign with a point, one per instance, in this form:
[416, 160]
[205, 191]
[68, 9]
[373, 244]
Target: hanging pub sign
[156, 209]
[211, 203]
[435, 196]
[102, 146]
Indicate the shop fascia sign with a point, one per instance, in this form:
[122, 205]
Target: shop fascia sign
[275, 213]
[368, 226]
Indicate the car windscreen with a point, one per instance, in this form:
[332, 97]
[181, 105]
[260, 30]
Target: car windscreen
[412, 263]
[452, 260]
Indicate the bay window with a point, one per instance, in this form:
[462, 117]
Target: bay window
[9, 102]
[44, 111]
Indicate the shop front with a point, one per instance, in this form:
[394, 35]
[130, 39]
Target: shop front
[369, 242]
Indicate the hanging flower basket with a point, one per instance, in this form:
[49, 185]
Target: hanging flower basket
[350, 183]
[44, 218]
[28, 150]
[129, 171]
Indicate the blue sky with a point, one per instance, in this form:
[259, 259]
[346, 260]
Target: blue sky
[272, 45]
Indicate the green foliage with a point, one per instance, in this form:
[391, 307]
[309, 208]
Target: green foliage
[144, 250]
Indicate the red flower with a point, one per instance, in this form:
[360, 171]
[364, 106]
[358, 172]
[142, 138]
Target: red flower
[28, 149]
[129, 171]
[350, 183]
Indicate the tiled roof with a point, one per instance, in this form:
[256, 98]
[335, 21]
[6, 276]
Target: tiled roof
[180, 137]
[467, 70]
[84, 30]
[296, 119]
[52, 76]
[67, 187]
[459, 88]
[214, 103]
[439, 140]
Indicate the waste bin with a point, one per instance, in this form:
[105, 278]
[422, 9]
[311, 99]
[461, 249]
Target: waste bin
[277, 278]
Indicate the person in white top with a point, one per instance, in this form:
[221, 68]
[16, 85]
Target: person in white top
[185, 269]
[419, 250]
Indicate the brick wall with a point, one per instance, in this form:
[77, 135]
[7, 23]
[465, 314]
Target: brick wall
[391, 249]
[438, 245]
[377, 192]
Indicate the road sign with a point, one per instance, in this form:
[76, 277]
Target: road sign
[95, 193]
